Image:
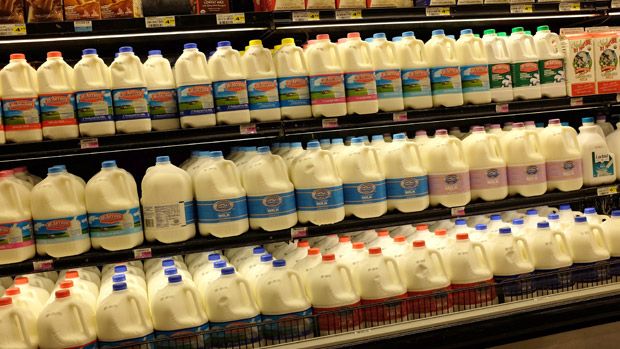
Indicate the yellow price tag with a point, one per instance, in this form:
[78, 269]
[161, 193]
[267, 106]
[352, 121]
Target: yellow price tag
[19, 29]
[521, 8]
[437, 11]
[569, 6]
[230, 18]
[349, 14]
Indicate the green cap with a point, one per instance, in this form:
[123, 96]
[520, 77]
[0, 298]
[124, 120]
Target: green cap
[476, 35]
[542, 27]
[489, 31]
[517, 29]
[503, 34]
[528, 32]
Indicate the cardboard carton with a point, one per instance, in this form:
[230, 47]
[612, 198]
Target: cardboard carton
[44, 11]
[11, 11]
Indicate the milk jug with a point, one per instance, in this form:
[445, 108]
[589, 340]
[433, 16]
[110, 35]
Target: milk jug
[67, 322]
[113, 209]
[209, 273]
[31, 291]
[606, 126]
[56, 98]
[295, 151]
[327, 91]
[20, 102]
[18, 329]
[293, 85]
[93, 98]
[445, 73]
[167, 203]
[162, 94]
[551, 63]
[304, 265]
[525, 162]
[229, 85]
[612, 234]
[500, 69]
[16, 239]
[510, 261]
[562, 154]
[260, 71]
[550, 252]
[525, 73]
[599, 162]
[359, 78]
[415, 74]
[613, 142]
[22, 173]
[29, 302]
[474, 65]
[587, 245]
[59, 216]
[487, 168]
[129, 95]
[387, 73]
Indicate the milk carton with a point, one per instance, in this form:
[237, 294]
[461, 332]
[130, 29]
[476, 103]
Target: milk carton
[445, 73]
[162, 95]
[320, 4]
[229, 85]
[487, 168]
[262, 83]
[607, 70]
[359, 78]
[578, 51]
[525, 162]
[67, 322]
[525, 73]
[599, 162]
[293, 85]
[562, 153]
[18, 329]
[415, 74]
[327, 89]
[500, 69]
[472, 56]
[387, 73]
[551, 62]
[16, 236]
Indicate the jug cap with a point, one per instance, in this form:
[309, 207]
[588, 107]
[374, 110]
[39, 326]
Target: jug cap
[399, 136]
[20, 169]
[329, 257]
[580, 219]
[190, 45]
[353, 35]
[337, 141]
[496, 126]
[462, 236]
[357, 140]
[314, 251]
[15, 56]
[119, 278]
[279, 263]
[256, 42]
[601, 118]
[529, 123]
[119, 286]
[224, 43]
[481, 227]
[263, 150]
[64, 293]
[397, 38]
[369, 40]
[311, 41]
[167, 263]
[214, 257]
[377, 138]
[441, 232]
[171, 271]
[488, 31]
[72, 274]
[466, 31]
[344, 239]
[589, 210]
[517, 29]
[450, 36]
[438, 32]
[173, 279]
[6, 301]
[89, 51]
[303, 243]
[258, 250]
[22, 280]
[322, 37]
[216, 154]
[383, 232]
[288, 41]
[420, 133]
[124, 49]
[460, 221]
[6, 173]
[108, 164]
[325, 141]
[542, 225]
[162, 159]
[531, 212]
[374, 250]
[587, 120]
[421, 227]
[564, 207]
[378, 36]
[542, 27]
[501, 34]
[554, 122]
[154, 52]
[296, 145]
[120, 268]
[518, 125]
[528, 32]
[409, 34]
[284, 145]
[441, 132]
[54, 54]
[615, 213]
[419, 243]
[12, 291]
[505, 230]
[399, 238]
[365, 139]
[496, 217]
[553, 216]
[54, 169]
[358, 245]
[222, 264]
[478, 129]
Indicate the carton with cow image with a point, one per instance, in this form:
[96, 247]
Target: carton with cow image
[578, 49]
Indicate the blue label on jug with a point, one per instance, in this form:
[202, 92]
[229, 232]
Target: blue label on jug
[364, 193]
[263, 94]
[445, 80]
[294, 91]
[163, 104]
[406, 188]
[268, 206]
[235, 333]
[15, 235]
[94, 106]
[172, 215]
[130, 343]
[389, 83]
[196, 100]
[360, 86]
[62, 229]
[288, 327]
[224, 210]
[230, 95]
[319, 198]
[416, 82]
[57, 109]
[115, 223]
[475, 78]
[188, 338]
[21, 114]
[130, 103]
[327, 89]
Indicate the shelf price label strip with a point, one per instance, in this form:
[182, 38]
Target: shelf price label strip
[44, 265]
[305, 16]
[348, 14]
[230, 18]
[160, 22]
[437, 11]
[604, 191]
[521, 8]
[12, 29]
[569, 6]
[142, 253]
[83, 26]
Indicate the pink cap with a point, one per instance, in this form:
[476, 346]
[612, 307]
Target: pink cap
[353, 35]
[530, 123]
[496, 126]
[517, 125]
[419, 243]
[342, 40]
[554, 122]
[374, 250]
[322, 37]
[477, 129]
[54, 54]
[420, 133]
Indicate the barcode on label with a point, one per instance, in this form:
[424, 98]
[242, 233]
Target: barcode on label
[47, 264]
[12, 29]
[611, 190]
[230, 18]
[160, 22]
[142, 253]
[164, 216]
[297, 233]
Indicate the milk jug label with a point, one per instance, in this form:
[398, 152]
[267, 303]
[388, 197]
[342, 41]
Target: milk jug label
[475, 78]
[57, 109]
[563, 170]
[488, 178]
[338, 319]
[551, 71]
[162, 104]
[129, 343]
[230, 95]
[389, 84]
[406, 188]
[115, 223]
[360, 86]
[21, 114]
[454, 183]
[60, 230]
[91, 345]
[94, 106]
[15, 235]
[294, 91]
[224, 210]
[500, 76]
[130, 103]
[445, 80]
[364, 193]
[196, 100]
[327, 89]
[187, 341]
[169, 216]
[230, 335]
[525, 74]
[416, 82]
[527, 174]
[319, 199]
[263, 94]
[288, 327]
[268, 206]
[602, 164]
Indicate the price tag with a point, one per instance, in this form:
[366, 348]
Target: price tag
[521, 8]
[298, 233]
[611, 190]
[47, 264]
[457, 211]
[576, 102]
[502, 108]
[615, 3]
[230, 18]
[437, 11]
[83, 26]
[400, 116]
[306, 16]
[160, 22]
[12, 29]
[142, 253]
[349, 14]
[569, 6]
[247, 129]
[89, 143]
[330, 123]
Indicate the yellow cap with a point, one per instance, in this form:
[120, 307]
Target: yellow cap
[277, 47]
[247, 48]
[288, 41]
[256, 43]
[241, 53]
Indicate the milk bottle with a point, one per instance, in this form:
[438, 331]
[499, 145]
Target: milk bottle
[511, 261]
[28, 302]
[551, 62]
[113, 209]
[327, 91]
[290, 156]
[162, 94]
[359, 78]
[81, 287]
[16, 239]
[500, 70]
[525, 162]
[294, 92]
[129, 95]
[167, 203]
[229, 85]
[56, 98]
[201, 261]
[67, 322]
[599, 162]
[387, 73]
[415, 74]
[474, 65]
[20, 104]
[525, 73]
[247, 264]
[487, 168]
[260, 71]
[18, 329]
[445, 73]
[209, 273]
[562, 154]
[587, 245]
[22, 173]
[611, 233]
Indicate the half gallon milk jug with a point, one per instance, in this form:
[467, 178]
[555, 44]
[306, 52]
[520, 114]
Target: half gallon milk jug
[113, 209]
[550, 63]
[510, 260]
[162, 94]
[487, 168]
[562, 153]
[194, 90]
[93, 98]
[221, 200]
[599, 162]
[129, 95]
[327, 91]
[318, 187]
[56, 98]
[525, 73]
[445, 73]
[59, 216]
[260, 71]
[474, 66]
[415, 74]
[293, 85]
[229, 85]
[524, 161]
[20, 102]
[359, 78]
[18, 329]
[500, 69]
[67, 322]
[387, 73]
[16, 239]
[271, 199]
[448, 172]
[167, 203]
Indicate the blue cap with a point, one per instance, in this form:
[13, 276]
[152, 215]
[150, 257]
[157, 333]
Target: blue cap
[580, 219]
[408, 34]
[171, 271]
[450, 36]
[62, 167]
[517, 221]
[266, 258]
[365, 138]
[378, 36]
[296, 145]
[279, 263]
[540, 124]
[228, 271]
[263, 150]
[615, 213]
[219, 264]
[357, 140]
[313, 145]
[368, 39]
[438, 32]
[399, 136]
[565, 207]
[325, 141]
[496, 217]
[397, 38]
[589, 210]
[191, 45]
[175, 279]
[553, 216]
[505, 230]
[125, 49]
[154, 52]
[89, 51]
[223, 44]
[377, 137]
[337, 141]
[120, 269]
[481, 227]
[115, 54]
[214, 257]
[216, 154]
[108, 164]
[119, 286]
[54, 169]
[542, 225]
[204, 154]
[460, 221]
[564, 123]
[195, 152]
[285, 145]
[119, 278]
[162, 159]
[531, 212]
[584, 120]
[258, 250]
[167, 263]
[466, 31]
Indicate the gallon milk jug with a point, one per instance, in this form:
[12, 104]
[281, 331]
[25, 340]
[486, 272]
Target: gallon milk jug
[20, 102]
[500, 69]
[415, 74]
[229, 85]
[599, 162]
[194, 90]
[292, 256]
[56, 98]
[611, 232]
[363, 180]
[93, 98]
[550, 62]
[129, 95]
[606, 126]
[207, 274]
[387, 73]
[27, 301]
[16, 239]
[511, 260]
[613, 142]
[359, 78]
[67, 322]
[525, 162]
[293, 85]
[33, 291]
[18, 329]
[113, 209]
[487, 168]
[525, 73]
[162, 94]
[551, 255]
[562, 153]
[291, 155]
[220, 196]
[472, 56]
[587, 245]
[318, 187]
[327, 91]
[304, 265]
[59, 216]
[445, 73]
[448, 173]
[167, 203]
[260, 71]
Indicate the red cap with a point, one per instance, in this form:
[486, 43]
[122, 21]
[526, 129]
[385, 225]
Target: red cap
[303, 243]
[344, 239]
[12, 291]
[310, 42]
[419, 243]
[64, 293]
[5, 301]
[72, 274]
[329, 257]
[20, 169]
[399, 238]
[353, 35]
[358, 245]
[383, 232]
[341, 40]
[6, 173]
[314, 251]
[374, 250]
[54, 54]
[462, 236]
[440, 232]
[66, 284]
[17, 56]
[322, 37]
[421, 227]
[22, 280]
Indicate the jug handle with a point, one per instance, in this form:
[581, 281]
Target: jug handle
[376, 157]
[136, 307]
[332, 162]
[496, 146]
[23, 327]
[80, 316]
[526, 248]
[459, 148]
[478, 42]
[598, 230]
[344, 269]
[439, 261]
[248, 293]
[452, 47]
[572, 137]
[483, 253]
[391, 261]
[282, 165]
[197, 301]
[295, 275]
[235, 171]
[562, 236]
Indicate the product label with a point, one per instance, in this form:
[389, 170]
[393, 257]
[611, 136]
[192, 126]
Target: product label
[416, 82]
[94, 106]
[130, 343]
[230, 95]
[428, 303]
[385, 311]
[488, 178]
[406, 188]
[196, 100]
[224, 210]
[360, 86]
[115, 223]
[319, 199]
[294, 91]
[59, 230]
[263, 94]
[238, 333]
[91, 345]
[513, 288]
[580, 62]
[169, 216]
[268, 206]
[525, 74]
[364, 193]
[288, 327]
[327, 89]
[130, 103]
[475, 78]
[551, 71]
[20, 114]
[527, 174]
[500, 75]
[15, 235]
[389, 84]
[338, 319]
[608, 69]
[163, 104]
[445, 80]
[57, 109]
[188, 338]
[602, 164]
[563, 170]
[454, 183]
[474, 295]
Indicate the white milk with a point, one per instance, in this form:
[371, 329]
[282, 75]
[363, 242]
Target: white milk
[507, 257]
[167, 203]
[194, 90]
[291, 155]
[18, 329]
[260, 71]
[500, 69]
[525, 162]
[304, 265]
[549, 248]
[551, 62]
[81, 287]
[487, 168]
[525, 73]
[31, 291]
[56, 98]
[359, 78]
[20, 102]
[113, 209]
[205, 275]
[41, 280]
[162, 94]
[586, 243]
[599, 162]
[229, 85]
[29, 302]
[562, 154]
[129, 94]
[293, 87]
[445, 73]
[22, 174]
[611, 233]
[16, 235]
[474, 65]
[415, 75]
[134, 283]
[67, 322]
[579, 58]
[606, 126]
[387, 73]
[613, 142]
[327, 91]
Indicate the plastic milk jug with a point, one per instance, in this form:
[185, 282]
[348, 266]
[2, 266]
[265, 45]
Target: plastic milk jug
[599, 162]
[20, 102]
[56, 98]
[229, 85]
[293, 85]
[611, 233]
[550, 63]
[113, 209]
[291, 155]
[260, 71]
[18, 329]
[327, 89]
[29, 302]
[67, 322]
[525, 73]
[16, 235]
[415, 74]
[562, 153]
[510, 257]
[31, 291]
[167, 203]
[586, 243]
[162, 94]
[59, 216]
[304, 265]
[525, 162]
[613, 142]
[445, 73]
[474, 66]
[205, 275]
[387, 73]
[549, 248]
[500, 68]
[487, 168]
[359, 78]
[129, 94]
[606, 126]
